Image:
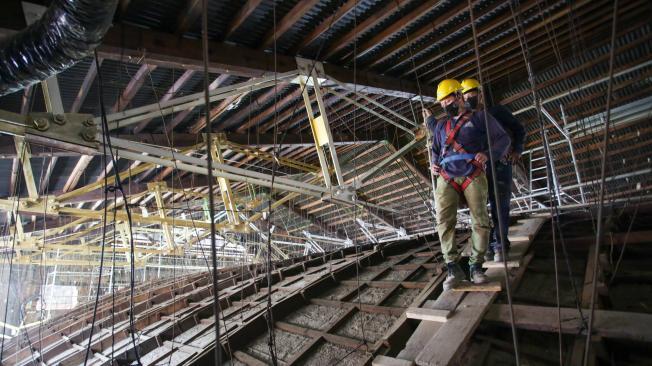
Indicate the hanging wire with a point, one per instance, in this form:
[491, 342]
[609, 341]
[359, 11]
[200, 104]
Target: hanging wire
[492, 164]
[603, 167]
[211, 200]
[118, 186]
[10, 255]
[107, 188]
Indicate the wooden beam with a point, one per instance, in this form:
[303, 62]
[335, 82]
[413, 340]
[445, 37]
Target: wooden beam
[163, 49]
[189, 16]
[363, 27]
[85, 87]
[45, 180]
[271, 110]
[325, 25]
[398, 26]
[77, 172]
[133, 87]
[181, 116]
[282, 26]
[608, 323]
[22, 148]
[239, 18]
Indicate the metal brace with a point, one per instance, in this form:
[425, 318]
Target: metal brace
[66, 131]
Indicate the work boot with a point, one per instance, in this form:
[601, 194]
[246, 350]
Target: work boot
[498, 256]
[454, 277]
[477, 275]
[489, 254]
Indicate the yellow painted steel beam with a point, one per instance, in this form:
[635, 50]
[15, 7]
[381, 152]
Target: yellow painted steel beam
[228, 198]
[258, 153]
[156, 187]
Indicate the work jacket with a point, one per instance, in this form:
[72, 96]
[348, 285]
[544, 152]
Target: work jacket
[511, 125]
[472, 136]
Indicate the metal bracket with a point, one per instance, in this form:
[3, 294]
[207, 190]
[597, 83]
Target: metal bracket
[66, 131]
[308, 67]
[345, 193]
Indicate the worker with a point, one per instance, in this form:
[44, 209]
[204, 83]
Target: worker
[473, 98]
[460, 152]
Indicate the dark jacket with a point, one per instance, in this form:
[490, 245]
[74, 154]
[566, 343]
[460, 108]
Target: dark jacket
[511, 125]
[473, 138]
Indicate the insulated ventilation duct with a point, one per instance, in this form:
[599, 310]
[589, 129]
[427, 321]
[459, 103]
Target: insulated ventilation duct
[68, 32]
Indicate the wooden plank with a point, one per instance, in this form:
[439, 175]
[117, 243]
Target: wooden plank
[608, 323]
[445, 346]
[467, 286]
[577, 351]
[247, 359]
[432, 315]
[390, 361]
[447, 301]
[512, 263]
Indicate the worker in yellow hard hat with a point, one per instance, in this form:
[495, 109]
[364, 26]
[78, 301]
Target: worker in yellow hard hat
[459, 153]
[473, 97]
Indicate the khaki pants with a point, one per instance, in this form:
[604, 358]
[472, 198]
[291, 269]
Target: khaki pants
[447, 203]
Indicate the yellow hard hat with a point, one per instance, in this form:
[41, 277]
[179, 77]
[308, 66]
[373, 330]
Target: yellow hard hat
[447, 87]
[469, 84]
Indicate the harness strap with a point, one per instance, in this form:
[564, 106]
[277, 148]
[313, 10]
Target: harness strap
[462, 154]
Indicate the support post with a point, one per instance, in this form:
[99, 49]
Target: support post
[156, 188]
[230, 204]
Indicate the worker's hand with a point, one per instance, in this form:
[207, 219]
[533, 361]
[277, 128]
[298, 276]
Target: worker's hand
[513, 157]
[426, 113]
[481, 158]
[435, 169]
[420, 133]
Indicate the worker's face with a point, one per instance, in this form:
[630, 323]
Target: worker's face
[470, 94]
[471, 99]
[451, 105]
[451, 99]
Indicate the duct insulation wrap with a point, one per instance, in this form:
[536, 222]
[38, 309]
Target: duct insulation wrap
[68, 31]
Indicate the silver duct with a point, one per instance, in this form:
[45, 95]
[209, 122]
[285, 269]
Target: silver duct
[68, 31]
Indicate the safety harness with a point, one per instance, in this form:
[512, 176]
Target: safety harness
[462, 154]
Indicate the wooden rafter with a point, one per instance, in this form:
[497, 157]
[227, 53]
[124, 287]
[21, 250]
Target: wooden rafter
[363, 27]
[288, 21]
[240, 17]
[178, 84]
[137, 81]
[85, 87]
[326, 24]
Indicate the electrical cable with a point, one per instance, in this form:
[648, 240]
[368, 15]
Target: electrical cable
[118, 186]
[605, 151]
[10, 255]
[101, 267]
[492, 165]
[211, 200]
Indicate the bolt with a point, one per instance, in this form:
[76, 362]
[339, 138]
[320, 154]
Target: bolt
[88, 134]
[59, 119]
[41, 124]
[89, 123]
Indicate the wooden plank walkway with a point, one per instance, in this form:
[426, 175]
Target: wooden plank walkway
[440, 343]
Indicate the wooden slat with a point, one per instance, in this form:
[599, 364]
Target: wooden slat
[432, 315]
[466, 286]
[390, 361]
[608, 323]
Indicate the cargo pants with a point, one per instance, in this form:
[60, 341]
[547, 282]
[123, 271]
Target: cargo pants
[447, 200]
